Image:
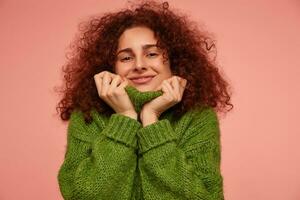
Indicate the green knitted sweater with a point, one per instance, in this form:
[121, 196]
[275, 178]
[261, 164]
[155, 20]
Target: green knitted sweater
[117, 158]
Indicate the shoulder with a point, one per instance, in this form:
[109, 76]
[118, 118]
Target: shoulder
[205, 114]
[85, 131]
[199, 115]
[199, 123]
[77, 118]
[205, 120]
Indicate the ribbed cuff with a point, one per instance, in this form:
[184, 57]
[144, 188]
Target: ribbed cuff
[123, 129]
[155, 134]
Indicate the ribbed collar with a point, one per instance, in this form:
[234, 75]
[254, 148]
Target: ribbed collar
[139, 98]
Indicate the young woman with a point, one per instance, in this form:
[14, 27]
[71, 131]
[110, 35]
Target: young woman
[142, 94]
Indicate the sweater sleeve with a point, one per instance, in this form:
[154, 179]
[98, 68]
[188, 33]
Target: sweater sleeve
[102, 168]
[189, 169]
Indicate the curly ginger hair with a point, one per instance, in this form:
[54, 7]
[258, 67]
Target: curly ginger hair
[94, 50]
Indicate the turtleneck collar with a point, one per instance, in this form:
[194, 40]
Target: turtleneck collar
[139, 98]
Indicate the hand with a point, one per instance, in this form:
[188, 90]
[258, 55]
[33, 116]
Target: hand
[173, 89]
[110, 88]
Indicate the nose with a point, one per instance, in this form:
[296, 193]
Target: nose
[140, 64]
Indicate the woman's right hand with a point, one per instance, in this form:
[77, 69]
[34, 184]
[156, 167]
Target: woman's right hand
[111, 89]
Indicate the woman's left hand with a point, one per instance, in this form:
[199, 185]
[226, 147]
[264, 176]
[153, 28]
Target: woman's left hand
[173, 89]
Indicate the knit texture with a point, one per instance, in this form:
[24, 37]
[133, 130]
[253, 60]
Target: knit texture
[117, 158]
[138, 98]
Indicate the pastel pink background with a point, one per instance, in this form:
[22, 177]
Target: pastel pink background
[258, 48]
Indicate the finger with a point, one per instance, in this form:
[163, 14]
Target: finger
[165, 89]
[176, 87]
[169, 80]
[172, 81]
[116, 81]
[105, 83]
[101, 74]
[159, 87]
[98, 81]
[124, 83]
[169, 88]
[183, 82]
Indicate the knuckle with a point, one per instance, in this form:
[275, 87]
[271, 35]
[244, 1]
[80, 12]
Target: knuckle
[96, 76]
[101, 94]
[118, 77]
[109, 94]
[101, 73]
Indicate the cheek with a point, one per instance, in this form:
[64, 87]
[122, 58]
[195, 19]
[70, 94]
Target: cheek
[121, 70]
[165, 70]
[162, 66]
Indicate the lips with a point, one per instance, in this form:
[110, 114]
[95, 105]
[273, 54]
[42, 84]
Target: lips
[142, 80]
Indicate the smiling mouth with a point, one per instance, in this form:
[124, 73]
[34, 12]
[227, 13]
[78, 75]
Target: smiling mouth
[143, 80]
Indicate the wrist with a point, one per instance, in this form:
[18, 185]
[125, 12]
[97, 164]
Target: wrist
[131, 114]
[148, 118]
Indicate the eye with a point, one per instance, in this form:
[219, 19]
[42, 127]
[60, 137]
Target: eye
[152, 54]
[125, 58]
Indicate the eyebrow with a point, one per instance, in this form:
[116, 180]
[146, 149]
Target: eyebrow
[146, 46]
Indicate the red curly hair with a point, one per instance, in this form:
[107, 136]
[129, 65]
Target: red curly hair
[188, 49]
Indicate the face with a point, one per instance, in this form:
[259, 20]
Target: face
[140, 61]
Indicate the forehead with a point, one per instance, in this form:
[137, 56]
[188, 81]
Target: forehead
[137, 36]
